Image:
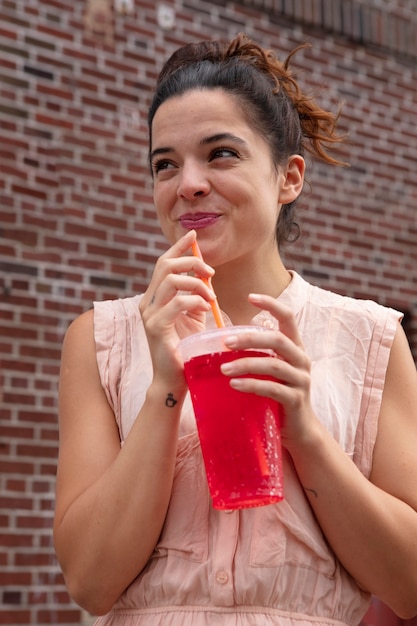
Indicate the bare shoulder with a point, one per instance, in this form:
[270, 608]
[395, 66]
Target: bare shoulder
[395, 462]
[80, 332]
[78, 361]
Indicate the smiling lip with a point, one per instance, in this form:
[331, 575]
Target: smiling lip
[198, 220]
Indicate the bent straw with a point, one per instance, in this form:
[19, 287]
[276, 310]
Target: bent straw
[214, 304]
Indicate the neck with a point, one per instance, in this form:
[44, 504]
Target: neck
[233, 282]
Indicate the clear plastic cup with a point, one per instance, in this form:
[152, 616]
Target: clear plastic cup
[239, 432]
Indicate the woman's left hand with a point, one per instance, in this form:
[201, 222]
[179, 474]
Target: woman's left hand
[289, 373]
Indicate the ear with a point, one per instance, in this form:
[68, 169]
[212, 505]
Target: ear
[293, 179]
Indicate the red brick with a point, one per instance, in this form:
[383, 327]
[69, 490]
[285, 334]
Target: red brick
[86, 231]
[34, 521]
[38, 597]
[16, 467]
[36, 451]
[35, 559]
[55, 33]
[87, 101]
[18, 616]
[105, 253]
[17, 366]
[15, 503]
[16, 485]
[22, 333]
[18, 398]
[30, 191]
[14, 431]
[14, 578]
[49, 120]
[11, 540]
[59, 616]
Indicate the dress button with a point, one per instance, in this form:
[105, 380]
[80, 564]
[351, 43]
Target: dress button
[222, 577]
[268, 324]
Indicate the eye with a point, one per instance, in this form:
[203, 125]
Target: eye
[160, 165]
[223, 152]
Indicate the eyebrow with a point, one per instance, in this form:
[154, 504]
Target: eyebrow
[204, 142]
[223, 137]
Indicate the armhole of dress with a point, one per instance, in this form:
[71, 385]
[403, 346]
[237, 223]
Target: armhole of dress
[378, 357]
[107, 354]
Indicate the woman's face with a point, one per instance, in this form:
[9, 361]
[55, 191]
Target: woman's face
[214, 173]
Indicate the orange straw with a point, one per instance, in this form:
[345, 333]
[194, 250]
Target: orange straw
[214, 304]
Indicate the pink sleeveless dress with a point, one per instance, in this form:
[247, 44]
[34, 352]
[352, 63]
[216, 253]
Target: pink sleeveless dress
[266, 566]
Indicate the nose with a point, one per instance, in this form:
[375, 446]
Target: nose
[193, 182]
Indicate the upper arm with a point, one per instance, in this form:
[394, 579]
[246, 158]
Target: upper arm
[88, 436]
[394, 467]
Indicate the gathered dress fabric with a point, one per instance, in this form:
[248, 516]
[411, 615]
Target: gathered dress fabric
[268, 565]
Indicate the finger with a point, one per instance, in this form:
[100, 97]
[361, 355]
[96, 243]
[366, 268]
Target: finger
[275, 390]
[176, 284]
[282, 313]
[275, 341]
[271, 378]
[168, 264]
[269, 368]
[267, 365]
[166, 316]
[182, 245]
[182, 265]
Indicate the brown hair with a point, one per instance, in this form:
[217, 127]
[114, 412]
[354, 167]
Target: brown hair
[290, 121]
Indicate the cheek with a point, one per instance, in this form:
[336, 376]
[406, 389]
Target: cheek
[160, 201]
[155, 194]
[164, 196]
[167, 230]
[162, 208]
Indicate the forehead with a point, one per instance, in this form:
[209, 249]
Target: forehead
[196, 111]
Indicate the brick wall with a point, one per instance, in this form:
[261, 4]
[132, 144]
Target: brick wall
[76, 217]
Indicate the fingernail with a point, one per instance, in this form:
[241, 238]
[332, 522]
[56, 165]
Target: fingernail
[230, 342]
[236, 383]
[226, 368]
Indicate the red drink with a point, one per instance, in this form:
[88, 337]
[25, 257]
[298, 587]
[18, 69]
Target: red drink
[239, 434]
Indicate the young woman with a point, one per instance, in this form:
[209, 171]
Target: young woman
[135, 532]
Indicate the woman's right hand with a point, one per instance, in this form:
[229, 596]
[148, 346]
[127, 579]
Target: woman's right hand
[174, 306]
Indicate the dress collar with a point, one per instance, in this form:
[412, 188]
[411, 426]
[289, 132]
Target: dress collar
[293, 296]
